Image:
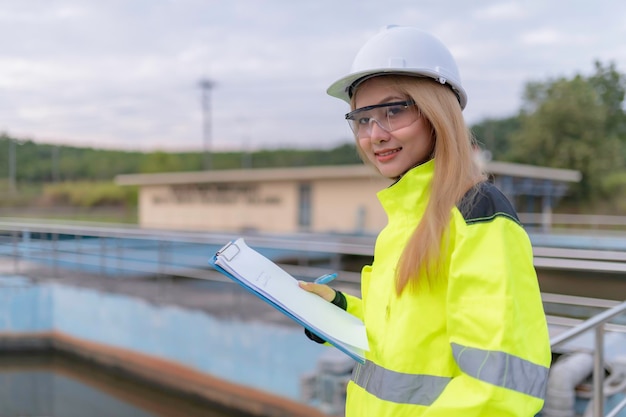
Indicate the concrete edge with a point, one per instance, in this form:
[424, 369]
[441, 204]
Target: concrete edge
[162, 373]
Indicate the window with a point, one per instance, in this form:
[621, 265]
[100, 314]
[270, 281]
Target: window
[304, 205]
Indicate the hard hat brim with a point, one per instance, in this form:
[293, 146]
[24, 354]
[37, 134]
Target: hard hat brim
[342, 88]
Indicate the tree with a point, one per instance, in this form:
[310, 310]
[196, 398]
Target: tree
[564, 125]
[611, 88]
[494, 135]
[160, 161]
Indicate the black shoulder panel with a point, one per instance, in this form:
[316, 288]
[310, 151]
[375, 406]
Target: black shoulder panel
[485, 202]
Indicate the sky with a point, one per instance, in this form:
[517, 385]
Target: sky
[125, 74]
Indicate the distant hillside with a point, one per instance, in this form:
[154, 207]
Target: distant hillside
[25, 161]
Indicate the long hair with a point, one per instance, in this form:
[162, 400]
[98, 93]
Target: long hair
[456, 172]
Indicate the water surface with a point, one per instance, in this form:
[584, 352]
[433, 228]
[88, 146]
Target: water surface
[59, 385]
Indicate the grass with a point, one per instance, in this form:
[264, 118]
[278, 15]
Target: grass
[68, 213]
[103, 202]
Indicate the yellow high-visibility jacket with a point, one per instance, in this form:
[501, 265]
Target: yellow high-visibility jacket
[475, 343]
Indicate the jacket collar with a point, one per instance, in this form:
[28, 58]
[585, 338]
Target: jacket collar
[412, 189]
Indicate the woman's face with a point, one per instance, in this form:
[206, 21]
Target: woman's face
[394, 152]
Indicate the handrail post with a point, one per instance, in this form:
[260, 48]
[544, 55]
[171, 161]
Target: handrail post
[16, 257]
[161, 259]
[597, 323]
[54, 239]
[103, 265]
[598, 372]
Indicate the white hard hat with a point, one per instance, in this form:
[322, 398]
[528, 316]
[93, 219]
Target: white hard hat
[401, 50]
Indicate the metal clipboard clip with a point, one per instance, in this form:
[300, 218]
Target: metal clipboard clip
[229, 251]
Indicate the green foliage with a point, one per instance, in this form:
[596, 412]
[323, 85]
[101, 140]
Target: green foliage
[89, 194]
[344, 154]
[614, 185]
[160, 161]
[495, 135]
[574, 124]
[44, 163]
[611, 88]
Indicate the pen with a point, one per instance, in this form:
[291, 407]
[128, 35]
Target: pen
[325, 279]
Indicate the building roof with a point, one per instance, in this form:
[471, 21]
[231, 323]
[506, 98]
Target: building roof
[250, 175]
[532, 171]
[325, 172]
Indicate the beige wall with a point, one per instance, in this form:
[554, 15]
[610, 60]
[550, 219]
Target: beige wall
[337, 205]
[264, 207]
[348, 205]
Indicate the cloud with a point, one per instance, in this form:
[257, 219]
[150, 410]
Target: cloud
[502, 11]
[544, 36]
[125, 74]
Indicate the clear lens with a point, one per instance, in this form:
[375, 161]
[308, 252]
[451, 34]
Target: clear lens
[388, 116]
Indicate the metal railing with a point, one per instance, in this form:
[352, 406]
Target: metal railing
[184, 254]
[16, 229]
[585, 221]
[597, 323]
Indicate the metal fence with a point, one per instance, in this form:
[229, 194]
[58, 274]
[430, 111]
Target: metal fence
[126, 250]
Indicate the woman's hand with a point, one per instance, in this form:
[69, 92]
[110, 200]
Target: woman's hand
[322, 290]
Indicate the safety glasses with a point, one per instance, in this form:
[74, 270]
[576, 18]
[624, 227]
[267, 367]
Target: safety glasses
[388, 116]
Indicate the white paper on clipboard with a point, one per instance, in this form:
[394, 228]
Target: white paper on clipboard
[277, 287]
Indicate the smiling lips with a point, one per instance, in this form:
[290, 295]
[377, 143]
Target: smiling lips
[386, 154]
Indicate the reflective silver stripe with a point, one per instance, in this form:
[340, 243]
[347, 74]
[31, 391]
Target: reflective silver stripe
[502, 369]
[398, 387]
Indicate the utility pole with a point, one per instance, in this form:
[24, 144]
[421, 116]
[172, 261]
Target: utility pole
[55, 163]
[206, 85]
[12, 166]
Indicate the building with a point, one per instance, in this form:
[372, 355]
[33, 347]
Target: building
[329, 199]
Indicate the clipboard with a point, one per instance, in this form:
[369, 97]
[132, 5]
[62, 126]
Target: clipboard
[266, 280]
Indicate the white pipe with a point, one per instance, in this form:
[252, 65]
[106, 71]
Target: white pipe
[565, 375]
[614, 384]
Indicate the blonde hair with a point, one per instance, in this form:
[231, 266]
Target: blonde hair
[456, 172]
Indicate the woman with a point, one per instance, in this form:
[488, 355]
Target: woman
[451, 302]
